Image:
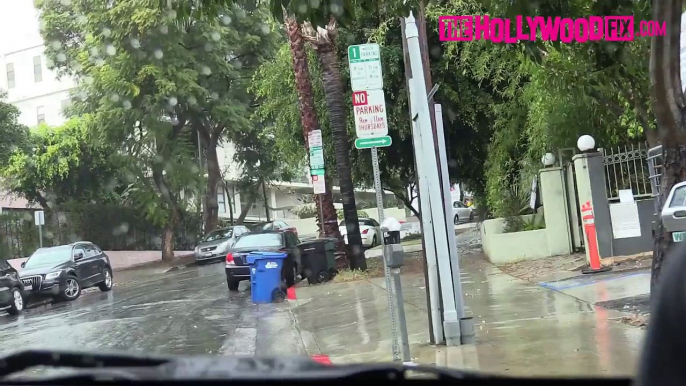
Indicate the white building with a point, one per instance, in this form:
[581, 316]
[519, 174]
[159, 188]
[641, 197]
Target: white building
[30, 86]
[41, 97]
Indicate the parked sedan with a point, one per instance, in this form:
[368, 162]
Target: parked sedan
[63, 271]
[11, 289]
[370, 231]
[276, 225]
[237, 268]
[462, 213]
[218, 243]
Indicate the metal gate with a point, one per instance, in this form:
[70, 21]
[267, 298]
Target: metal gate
[626, 169]
[655, 173]
[574, 214]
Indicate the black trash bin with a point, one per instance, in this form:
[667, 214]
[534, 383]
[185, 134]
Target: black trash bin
[318, 259]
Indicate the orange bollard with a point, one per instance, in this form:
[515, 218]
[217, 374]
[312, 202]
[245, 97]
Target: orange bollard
[592, 247]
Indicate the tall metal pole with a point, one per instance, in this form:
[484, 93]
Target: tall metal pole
[387, 271]
[430, 276]
[434, 206]
[466, 323]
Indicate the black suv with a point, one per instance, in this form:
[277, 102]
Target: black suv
[61, 272]
[11, 289]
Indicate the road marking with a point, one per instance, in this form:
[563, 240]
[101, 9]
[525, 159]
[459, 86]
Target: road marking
[553, 286]
[242, 342]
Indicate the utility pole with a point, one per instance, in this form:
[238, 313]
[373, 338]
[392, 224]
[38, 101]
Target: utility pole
[440, 240]
[429, 293]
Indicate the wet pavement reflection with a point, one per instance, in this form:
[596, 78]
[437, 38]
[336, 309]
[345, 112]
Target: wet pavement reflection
[521, 328]
[188, 312]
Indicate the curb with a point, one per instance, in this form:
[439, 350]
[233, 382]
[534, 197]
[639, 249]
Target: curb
[179, 267]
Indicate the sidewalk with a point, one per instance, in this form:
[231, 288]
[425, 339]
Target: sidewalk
[521, 328]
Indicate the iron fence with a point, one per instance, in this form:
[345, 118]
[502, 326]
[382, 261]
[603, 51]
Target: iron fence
[626, 168]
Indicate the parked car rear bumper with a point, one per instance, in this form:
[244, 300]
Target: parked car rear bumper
[237, 273]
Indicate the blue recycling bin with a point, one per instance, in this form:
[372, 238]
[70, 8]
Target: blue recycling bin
[265, 275]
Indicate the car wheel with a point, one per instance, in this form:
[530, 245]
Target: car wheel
[106, 285]
[456, 220]
[17, 305]
[233, 284]
[290, 273]
[471, 216]
[72, 288]
[322, 276]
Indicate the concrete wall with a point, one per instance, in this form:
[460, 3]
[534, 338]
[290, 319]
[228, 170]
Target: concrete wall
[503, 248]
[554, 240]
[121, 259]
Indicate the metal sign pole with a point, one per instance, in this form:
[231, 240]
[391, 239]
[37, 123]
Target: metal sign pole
[387, 271]
[321, 214]
[40, 236]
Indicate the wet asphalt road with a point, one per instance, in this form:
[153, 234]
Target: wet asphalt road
[186, 312]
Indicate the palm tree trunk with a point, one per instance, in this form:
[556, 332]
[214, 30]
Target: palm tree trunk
[310, 121]
[335, 101]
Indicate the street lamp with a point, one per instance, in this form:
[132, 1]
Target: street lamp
[548, 159]
[585, 143]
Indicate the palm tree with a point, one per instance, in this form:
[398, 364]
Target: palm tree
[322, 40]
[310, 121]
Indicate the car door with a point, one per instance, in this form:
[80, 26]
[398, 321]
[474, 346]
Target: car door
[97, 261]
[5, 282]
[83, 269]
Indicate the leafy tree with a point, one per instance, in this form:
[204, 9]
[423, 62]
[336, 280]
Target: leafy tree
[14, 135]
[61, 165]
[239, 43]
[141, 84]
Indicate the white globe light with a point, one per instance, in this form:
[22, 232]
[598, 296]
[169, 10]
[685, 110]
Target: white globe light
[548, 159]
[585, 143]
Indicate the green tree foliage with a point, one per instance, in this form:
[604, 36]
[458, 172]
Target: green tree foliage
[62, 164]
[151, 84]
[464, 103]
[547, 94]
[14, 135]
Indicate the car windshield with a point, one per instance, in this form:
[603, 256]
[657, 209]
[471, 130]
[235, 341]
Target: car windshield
[49, 257]
[219, 234]
[176, 135]
[260, 240]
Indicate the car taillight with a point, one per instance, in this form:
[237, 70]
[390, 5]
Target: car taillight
[364, 232]
[229, 259]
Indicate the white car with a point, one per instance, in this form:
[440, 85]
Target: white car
[462, 212]
[370, 231]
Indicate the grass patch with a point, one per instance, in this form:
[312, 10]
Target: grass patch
[375, 268]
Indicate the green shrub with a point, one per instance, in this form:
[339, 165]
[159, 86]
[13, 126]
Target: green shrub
[360, 214]
[305, 211]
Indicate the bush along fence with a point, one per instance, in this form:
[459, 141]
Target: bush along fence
[113, 228]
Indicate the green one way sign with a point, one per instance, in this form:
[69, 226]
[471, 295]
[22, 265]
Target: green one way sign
[368, 143]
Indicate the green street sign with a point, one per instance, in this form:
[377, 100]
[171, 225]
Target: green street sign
[364, 61]
[316, 172]
[368, 143]
[317, 157]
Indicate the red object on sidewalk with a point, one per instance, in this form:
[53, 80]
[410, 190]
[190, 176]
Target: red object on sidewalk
[321, 358]
[290, 293]
[591, 237]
